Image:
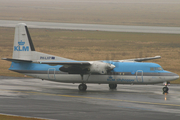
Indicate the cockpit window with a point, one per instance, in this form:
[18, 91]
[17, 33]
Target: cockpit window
[156, 68]
[159, 68]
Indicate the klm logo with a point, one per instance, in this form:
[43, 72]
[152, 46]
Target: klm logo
[21, 47]
[110, 79]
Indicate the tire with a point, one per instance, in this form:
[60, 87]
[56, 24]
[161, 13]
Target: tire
[112, 86]
[82, 87]
[165, 89]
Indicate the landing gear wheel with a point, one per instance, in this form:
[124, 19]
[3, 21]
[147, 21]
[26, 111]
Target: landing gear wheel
[165, 89]
[112, 86]
[82, 87]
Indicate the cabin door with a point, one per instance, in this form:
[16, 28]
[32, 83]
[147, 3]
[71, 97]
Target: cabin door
[51, 73]
[139, 76]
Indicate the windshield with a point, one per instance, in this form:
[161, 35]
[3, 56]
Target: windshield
[156, 68]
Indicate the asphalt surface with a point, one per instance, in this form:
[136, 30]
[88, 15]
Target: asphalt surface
[93, 27]
[60, 101]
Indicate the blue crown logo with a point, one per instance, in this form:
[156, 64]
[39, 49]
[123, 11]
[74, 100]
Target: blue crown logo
[21, 43]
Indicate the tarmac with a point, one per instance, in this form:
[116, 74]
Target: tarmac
[60, 101]
[93, 27]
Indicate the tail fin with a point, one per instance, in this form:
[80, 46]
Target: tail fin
[24, 49]
[23, 44]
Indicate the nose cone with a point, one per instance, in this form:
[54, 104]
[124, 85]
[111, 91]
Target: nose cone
[169, 76]
[175, 76]
[112, 66]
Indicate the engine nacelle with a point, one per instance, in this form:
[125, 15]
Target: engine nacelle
[101, 67]
[94, 67]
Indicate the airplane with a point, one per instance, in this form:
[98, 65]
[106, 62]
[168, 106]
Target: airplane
[27, 61]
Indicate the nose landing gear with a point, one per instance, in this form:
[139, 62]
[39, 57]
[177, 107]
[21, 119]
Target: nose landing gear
[166, 89]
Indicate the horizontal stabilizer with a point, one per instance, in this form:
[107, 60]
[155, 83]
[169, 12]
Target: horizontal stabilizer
[16, 60]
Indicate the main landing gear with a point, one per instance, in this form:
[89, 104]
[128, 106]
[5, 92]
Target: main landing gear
[112, 86]
[82, 87]
[166, 89]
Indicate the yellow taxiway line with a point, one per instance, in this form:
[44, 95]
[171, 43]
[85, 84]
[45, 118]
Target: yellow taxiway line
[97, 98]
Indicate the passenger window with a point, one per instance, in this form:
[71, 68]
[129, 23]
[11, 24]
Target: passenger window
[152, 69]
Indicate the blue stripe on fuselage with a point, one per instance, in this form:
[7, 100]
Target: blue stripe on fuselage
[120, 66]
[32, 66]
[134, 66]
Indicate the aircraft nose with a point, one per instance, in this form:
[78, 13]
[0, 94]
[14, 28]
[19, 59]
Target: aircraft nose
[175, 76]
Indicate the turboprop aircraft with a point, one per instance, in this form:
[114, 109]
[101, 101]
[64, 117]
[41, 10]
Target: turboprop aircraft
[27, 61]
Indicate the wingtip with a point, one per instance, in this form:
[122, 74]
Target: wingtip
[158, 56]
[3, 58]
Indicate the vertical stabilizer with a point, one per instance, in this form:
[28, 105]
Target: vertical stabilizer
[23, 48]
[23, 44]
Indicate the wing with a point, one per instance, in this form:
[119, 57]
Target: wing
[81, 67]
[72, 67]
[68, 63]
[141, 59]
